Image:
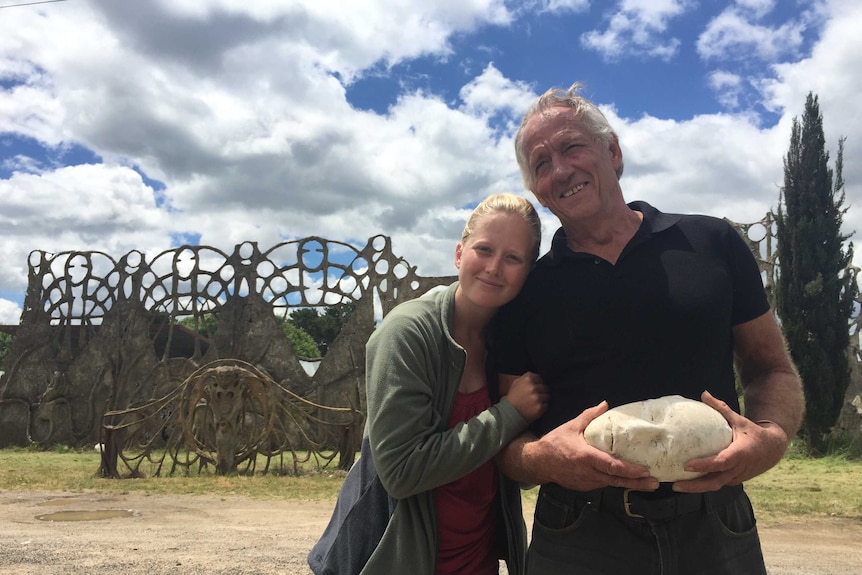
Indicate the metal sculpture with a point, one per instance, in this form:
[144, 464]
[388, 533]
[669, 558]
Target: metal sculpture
[99, 335]
[229, 415]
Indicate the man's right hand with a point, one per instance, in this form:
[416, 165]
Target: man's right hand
[564, 457]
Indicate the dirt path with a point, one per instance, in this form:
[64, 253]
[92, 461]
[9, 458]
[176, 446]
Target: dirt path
[240, 536]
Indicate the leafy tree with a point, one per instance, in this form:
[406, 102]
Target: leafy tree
[322, 328]
[207, 324]
[816, 288]
[303, 344]
[5, 346]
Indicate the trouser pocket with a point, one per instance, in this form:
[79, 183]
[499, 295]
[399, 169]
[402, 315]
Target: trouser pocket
[553, 513]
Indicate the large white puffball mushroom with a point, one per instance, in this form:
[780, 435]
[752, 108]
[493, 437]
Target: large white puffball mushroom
[662, 434]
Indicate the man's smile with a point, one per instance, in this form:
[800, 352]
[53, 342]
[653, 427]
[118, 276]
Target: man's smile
[574, 190]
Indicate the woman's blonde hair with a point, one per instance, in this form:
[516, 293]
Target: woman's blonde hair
[507, 204]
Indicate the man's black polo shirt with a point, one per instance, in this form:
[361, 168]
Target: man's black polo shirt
[658, 322]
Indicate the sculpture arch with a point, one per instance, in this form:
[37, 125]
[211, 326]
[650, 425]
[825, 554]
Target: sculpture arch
[99, 334]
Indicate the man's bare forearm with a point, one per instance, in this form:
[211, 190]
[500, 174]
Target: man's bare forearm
[776, 397]
[520, 460]
[773, 390]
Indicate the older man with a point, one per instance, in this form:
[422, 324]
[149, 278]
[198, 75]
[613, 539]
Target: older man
[630, 304]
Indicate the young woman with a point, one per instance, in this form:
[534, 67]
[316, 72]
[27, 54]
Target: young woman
[435, 422]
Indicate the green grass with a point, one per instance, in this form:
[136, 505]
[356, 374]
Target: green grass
[797, 487]
[827, 486]
[61, 469]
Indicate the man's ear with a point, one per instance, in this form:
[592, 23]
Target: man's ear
[458, 250]
[616, 153]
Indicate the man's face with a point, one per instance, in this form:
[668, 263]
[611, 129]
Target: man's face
[573, 173]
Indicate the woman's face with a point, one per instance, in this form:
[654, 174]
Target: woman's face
[494, 261]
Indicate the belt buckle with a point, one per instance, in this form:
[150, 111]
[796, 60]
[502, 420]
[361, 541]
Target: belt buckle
[627, 505]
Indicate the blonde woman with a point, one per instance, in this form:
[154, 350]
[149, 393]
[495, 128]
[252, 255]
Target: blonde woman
[425, 497]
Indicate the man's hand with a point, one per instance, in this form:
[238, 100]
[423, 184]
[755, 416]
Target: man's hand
[564, 457]
[754, 449]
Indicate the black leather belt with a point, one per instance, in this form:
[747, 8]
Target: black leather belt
[643, 504]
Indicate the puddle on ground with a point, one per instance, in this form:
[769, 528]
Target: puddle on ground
[86, 515]
[56, 502]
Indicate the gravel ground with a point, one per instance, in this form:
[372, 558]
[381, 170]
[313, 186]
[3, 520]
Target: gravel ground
[157, 534]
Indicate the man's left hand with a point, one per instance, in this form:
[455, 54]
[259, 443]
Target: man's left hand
[754, 449]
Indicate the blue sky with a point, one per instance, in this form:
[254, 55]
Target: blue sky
[145, 125]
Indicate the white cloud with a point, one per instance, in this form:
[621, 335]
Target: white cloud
[10, 312]
[827, 73]
[241, 111]
[20, 163]
[758, 8]
[638, 28]
[565, 5]
[723, 165]
[727, 86]
[490, 92]
[732, 36]
[86, 207]
[345, 38]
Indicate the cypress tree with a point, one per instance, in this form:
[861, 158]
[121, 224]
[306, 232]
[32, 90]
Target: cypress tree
[816, 288]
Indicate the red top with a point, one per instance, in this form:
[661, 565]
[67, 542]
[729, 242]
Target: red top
[466, 514]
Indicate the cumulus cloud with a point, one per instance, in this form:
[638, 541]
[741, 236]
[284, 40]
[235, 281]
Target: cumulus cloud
[85, 207]
[638, 28]
[727, 86]
[758, 8]
[825, 73]
[228, 122]
[490, 92]
[565, 5]
[10, 312]
[346, 40]
[708, 164]
[239, 112]
[734, 35]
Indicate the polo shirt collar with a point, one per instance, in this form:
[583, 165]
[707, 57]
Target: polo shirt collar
[654, 222]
